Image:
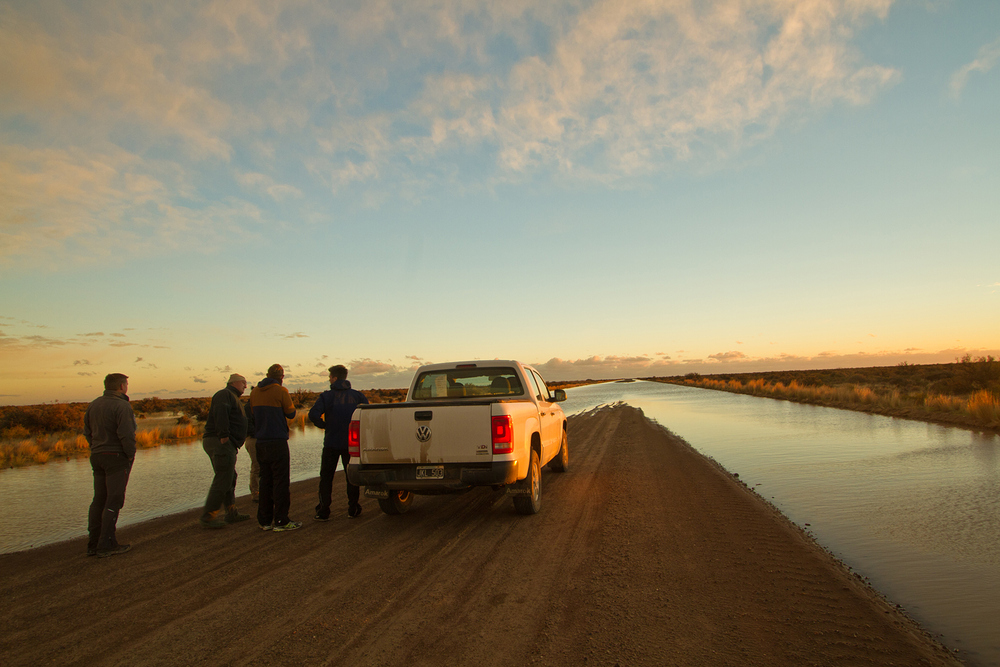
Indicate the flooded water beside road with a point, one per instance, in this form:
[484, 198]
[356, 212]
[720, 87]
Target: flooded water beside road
[50, 502]
[912, 507]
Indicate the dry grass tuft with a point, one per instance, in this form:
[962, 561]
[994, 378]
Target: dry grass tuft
[148, 438]
[184, 432]
[984, 406]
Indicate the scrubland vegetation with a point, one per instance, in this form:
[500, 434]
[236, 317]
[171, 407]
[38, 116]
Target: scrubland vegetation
[965, 393]
[34, 434]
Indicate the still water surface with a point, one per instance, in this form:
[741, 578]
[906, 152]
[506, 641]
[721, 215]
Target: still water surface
[51, 501]
[913, 507]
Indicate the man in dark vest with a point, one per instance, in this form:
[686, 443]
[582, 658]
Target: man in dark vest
[332, 412]
[225, 431]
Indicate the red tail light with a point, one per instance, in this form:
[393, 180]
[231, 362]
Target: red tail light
[354, 439]
[503, 435]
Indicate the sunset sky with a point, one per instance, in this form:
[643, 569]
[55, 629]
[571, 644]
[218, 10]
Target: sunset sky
[600, 188]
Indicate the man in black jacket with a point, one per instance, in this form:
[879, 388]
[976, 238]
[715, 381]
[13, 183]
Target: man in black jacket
[332, 411]
[225, 431]
[109, 427]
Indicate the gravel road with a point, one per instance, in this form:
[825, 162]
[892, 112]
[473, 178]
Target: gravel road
[644, 553]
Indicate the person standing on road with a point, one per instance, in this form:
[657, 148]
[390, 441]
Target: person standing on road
[272, 407]
[225, 431]
[332, 412]
[109, 427]
[250, 444]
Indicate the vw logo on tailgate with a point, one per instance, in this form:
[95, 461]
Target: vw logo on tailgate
[423, 433]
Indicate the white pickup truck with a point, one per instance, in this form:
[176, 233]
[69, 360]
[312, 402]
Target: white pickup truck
[463, 424]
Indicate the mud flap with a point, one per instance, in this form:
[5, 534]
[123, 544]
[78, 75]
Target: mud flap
[521, 488]
[377, 492]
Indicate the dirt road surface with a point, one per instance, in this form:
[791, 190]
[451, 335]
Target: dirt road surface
[644, 553]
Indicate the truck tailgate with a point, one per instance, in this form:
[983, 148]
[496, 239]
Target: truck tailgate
[422, 433]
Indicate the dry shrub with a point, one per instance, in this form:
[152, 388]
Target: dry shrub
[862, 395]
[148, 438]
[939, 403]
[82, 444]
[984, 406]
[16, 433]
[298, 421]
[184, 432]
[893, 399]
[27, 450]
[59, 447]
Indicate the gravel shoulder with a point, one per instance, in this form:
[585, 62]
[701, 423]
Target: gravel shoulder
[644, 553]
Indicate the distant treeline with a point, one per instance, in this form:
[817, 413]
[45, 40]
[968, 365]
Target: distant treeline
[965, 393]
[965, 376]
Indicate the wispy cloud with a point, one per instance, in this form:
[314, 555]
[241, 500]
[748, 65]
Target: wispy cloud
[163, 126]
[372, 367]
[277, 191]
[728, 356]
[985, 60]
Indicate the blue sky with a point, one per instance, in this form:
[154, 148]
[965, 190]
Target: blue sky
[603, 189]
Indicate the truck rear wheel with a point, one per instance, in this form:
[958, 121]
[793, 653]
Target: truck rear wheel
[398, 502]
[532, 501]
[560, 463]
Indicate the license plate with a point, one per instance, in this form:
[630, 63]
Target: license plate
[430, 472]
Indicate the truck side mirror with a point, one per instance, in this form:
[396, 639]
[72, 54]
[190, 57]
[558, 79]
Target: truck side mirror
[558, 395]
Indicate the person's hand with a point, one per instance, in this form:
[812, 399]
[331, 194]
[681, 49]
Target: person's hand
[224, 440]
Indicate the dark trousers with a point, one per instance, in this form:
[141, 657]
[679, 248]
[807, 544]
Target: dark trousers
[222, 493]
[111, 473]
[273, 459]
[250, 444]
[327, 467]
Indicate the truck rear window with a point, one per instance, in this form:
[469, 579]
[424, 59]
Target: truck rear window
[466, 382]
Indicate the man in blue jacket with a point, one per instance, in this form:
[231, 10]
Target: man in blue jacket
[332, 412]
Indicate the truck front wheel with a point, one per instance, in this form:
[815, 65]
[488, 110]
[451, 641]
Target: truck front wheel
[398, 502]
[531, 502]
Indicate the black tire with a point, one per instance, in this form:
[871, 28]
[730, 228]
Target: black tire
[532, 502]
[398, 502]
[561, 461]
